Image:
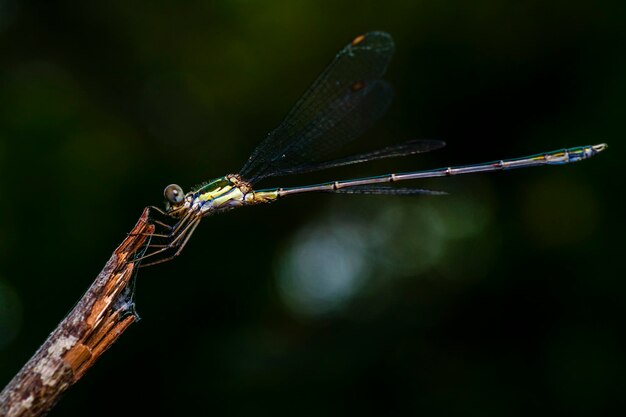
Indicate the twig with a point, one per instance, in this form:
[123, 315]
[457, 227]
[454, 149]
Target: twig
[95, 323]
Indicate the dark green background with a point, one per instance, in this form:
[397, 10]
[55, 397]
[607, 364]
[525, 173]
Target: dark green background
[504, 298]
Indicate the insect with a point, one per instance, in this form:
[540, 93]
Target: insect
[343, 102]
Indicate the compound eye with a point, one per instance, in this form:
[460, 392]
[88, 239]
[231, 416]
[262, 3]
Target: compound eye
[174, 194]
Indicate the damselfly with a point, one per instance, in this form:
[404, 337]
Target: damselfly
[344, 101]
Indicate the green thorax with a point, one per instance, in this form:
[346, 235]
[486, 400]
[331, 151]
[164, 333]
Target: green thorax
[214, 186]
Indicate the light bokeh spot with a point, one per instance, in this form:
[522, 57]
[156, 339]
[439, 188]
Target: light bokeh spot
[356, 249]
[324, 269]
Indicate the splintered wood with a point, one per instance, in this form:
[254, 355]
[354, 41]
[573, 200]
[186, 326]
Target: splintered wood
[99, 318]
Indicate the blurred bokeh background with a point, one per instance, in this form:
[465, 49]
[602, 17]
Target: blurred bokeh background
[504, 298]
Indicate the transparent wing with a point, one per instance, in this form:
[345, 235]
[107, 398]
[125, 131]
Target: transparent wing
[411, 147]
[344, 101]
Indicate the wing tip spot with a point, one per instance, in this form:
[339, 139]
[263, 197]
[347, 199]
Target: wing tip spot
[358, 40]
[357, 86]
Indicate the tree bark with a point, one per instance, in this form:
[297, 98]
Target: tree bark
[95, 323]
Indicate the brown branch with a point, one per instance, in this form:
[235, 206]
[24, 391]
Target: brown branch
[95, 323]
